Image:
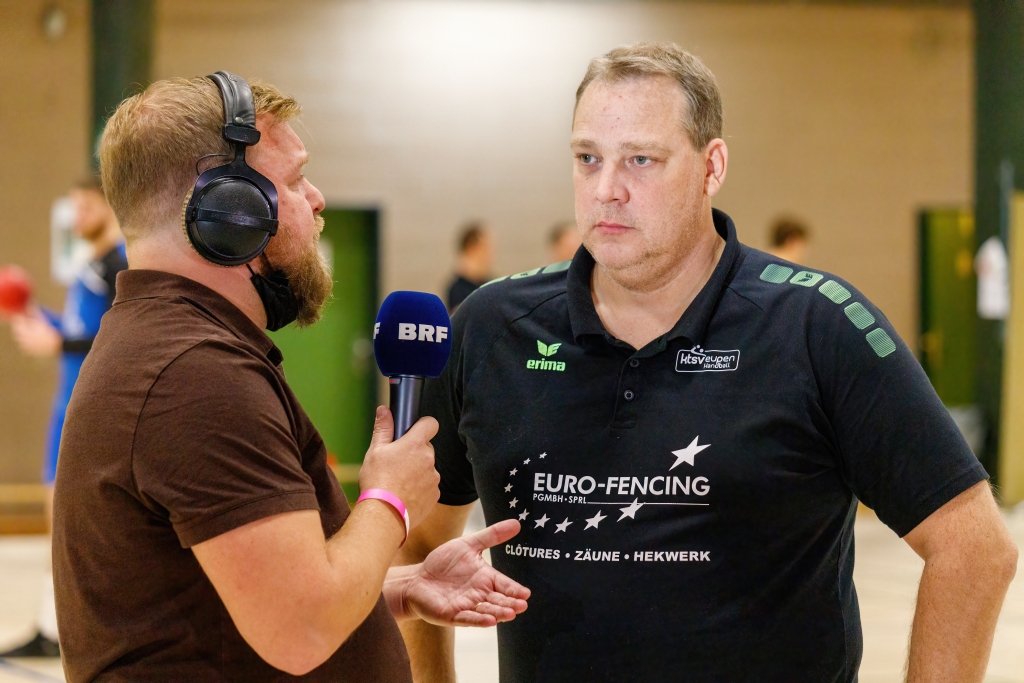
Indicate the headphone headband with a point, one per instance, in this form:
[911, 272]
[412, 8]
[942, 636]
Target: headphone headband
[239, 108]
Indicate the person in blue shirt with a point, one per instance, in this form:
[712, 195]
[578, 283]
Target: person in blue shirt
[69, 335]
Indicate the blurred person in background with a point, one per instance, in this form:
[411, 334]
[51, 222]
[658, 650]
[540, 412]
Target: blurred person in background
[563, 241]
[790, 240]
[684, 426]
[69, 335]
[474, 264]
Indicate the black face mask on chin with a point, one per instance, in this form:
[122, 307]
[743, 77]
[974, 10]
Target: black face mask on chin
[275, 291]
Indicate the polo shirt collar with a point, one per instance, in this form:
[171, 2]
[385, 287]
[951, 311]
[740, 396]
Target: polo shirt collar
[692, 325]
[153, 284]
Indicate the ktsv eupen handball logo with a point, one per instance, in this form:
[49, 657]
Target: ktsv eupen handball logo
[699, 360]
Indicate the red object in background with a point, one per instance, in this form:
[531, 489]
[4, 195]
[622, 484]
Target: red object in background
[15, 290]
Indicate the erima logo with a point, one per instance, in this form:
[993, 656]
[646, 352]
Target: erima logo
[408, 332]
[546, 350]
[699, 360]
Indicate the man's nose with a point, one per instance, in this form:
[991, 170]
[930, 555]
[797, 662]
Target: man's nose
[610, 185]
[315, 199]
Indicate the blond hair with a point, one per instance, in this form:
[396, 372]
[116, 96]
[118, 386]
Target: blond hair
[703, 120]
[154, 141]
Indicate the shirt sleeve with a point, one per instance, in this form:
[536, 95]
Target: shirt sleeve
[214, 448]
[442, 400]
[899, 449]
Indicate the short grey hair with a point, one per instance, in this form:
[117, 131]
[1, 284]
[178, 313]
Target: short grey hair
[703, 121]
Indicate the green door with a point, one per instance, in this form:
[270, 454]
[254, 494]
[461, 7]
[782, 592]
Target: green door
[330, 365]
[948, 302]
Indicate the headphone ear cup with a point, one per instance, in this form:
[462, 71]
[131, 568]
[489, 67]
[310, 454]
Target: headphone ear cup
[224, 241]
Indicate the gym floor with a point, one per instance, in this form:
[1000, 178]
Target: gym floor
[886, 576]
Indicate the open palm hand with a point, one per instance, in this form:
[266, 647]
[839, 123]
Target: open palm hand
[456, 587]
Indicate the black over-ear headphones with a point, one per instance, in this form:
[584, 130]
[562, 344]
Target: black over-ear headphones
[232, 213]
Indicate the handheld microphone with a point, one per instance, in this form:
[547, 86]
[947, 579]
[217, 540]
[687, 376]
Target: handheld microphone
[411, 341]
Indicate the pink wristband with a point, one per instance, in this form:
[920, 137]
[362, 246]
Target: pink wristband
[392, 500]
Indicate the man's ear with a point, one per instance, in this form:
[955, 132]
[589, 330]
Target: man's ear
[716, 161]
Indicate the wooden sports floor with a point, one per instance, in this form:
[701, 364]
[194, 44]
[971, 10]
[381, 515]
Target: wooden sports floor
[886, 576]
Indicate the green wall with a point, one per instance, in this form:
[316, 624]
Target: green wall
[330, 365]
[999, 169]
[948, 295]
[122, 56]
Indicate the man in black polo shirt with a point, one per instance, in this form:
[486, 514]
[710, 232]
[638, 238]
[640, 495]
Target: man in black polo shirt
[684, 425]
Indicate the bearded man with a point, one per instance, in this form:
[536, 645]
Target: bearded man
[198, 532]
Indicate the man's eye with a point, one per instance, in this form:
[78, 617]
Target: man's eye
[642, 160]
[587, 158]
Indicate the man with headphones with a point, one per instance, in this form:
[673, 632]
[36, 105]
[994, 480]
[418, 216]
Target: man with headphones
[198, 532]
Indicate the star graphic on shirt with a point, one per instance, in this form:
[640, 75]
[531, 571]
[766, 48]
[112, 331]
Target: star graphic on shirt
[563, 526]
[540, 522]
[513, 473]
[512, 503]
[686, 454]
[630, 511]
[542, 456]
[526, 462]
[508, 488]
[595, 520]
[524, 514]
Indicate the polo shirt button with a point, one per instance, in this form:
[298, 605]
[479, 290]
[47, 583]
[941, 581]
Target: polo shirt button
[634, 363]
[628, 395]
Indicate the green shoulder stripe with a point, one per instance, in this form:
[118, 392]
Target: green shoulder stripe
[557, 267]
[553, 268]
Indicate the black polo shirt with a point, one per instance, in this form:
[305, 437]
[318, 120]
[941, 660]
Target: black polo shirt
[688, 507]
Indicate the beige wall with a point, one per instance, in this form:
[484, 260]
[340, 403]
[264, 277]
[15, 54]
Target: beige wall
[436, 112]
[44, 111]
[851, 118]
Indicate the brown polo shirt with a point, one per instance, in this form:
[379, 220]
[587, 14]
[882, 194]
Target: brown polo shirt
[182, 427]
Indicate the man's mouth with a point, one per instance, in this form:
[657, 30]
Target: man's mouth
[610, 228]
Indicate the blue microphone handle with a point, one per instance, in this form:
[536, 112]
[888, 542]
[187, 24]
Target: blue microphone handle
[406, 392]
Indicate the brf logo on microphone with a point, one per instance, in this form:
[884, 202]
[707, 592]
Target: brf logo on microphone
[414, 332]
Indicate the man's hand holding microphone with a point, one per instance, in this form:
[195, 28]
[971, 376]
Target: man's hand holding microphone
[404, 467]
